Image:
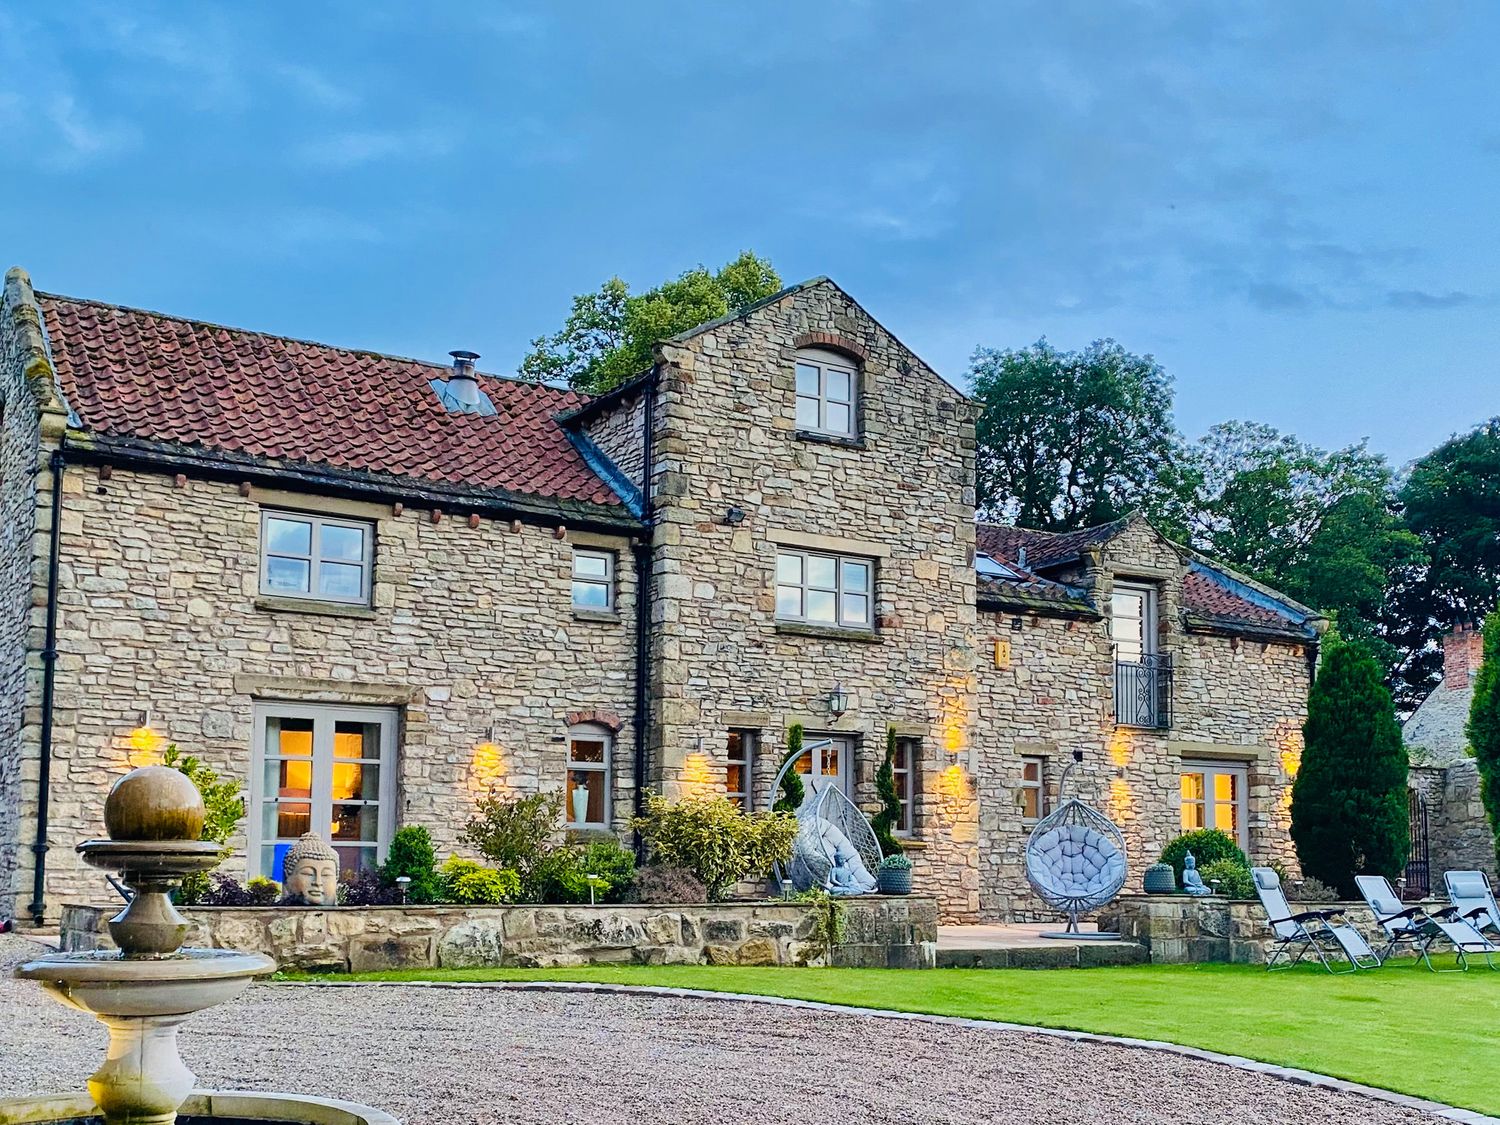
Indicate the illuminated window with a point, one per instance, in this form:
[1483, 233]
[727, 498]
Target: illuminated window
[593, 580]
[832, 590]
[1033, 795]
[827, 384]
[904, 768]
[589, 751]
[328, 770]
[739, 767]
[305, 556]
[1213, 796]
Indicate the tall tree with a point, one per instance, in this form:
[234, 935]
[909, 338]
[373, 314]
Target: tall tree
[607, 338]
[1069, 439]
[1483, 728]
[1349, 814]
[1452, 500]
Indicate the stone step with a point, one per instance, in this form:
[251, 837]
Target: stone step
[1048, 955]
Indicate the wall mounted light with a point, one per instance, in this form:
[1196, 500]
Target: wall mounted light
[838, 701]
[734, 517]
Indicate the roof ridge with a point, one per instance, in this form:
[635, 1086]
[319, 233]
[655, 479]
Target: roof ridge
[296, 340]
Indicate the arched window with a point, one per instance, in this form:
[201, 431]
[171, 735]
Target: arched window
[827, 392]
[590, 749]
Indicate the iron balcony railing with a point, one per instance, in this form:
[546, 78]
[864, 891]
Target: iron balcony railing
[1143, 692]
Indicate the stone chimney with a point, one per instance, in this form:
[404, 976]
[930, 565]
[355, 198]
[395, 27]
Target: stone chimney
[1463, 648]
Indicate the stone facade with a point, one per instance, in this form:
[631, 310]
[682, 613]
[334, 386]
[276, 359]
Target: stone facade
[471, 640]
[897, 933]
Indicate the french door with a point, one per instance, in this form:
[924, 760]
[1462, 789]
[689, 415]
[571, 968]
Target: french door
[832, 762]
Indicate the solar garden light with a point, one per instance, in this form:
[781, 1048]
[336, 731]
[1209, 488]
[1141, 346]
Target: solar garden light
[402, 882]
[593, 881]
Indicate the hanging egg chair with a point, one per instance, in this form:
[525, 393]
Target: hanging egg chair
[835, 848]
[1075, 861]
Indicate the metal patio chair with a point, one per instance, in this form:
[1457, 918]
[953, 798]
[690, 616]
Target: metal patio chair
[1412, 925]
[1310, 931]
[1473, 899]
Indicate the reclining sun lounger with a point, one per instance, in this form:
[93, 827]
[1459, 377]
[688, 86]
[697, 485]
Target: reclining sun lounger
[1474, 900]
[1311, 931]
[1413, 925]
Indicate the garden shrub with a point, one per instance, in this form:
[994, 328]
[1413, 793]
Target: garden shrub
[1208, 845]
[1483, 726]
[1234, 878]
[366, 888]
[662, 884]
[715, 839]
[222, 810]
[470, 883]
[607, 858]
[263, 891]
[792, 791]
[515, 833]
[412, 855]
[1312, 889]
[885, 821]
[1349, 811]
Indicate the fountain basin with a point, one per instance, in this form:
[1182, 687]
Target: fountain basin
[104, 983]
[206, 1107]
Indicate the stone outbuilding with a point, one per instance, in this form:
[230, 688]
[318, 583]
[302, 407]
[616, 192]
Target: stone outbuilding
[373, 589]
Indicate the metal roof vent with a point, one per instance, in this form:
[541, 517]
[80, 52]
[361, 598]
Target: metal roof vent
[460, 392]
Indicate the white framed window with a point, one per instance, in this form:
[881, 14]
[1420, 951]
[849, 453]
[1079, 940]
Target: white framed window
[904, 767]
[1132, 622]
[590, 749]
[1033, 796]
[739, 767]
[827, 385]
[593, 579]
[329, 770]
[818, 589]
[1213, 796]
[306, 556]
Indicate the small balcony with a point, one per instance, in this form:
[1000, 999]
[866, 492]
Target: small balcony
[1143, 692]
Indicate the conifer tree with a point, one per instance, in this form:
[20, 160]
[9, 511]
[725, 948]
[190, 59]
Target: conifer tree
[1349, 803]
[885, 821]
[1483, 727]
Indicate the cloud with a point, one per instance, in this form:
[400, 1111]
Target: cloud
[315, 87]
[356, 147]
[1421, 299]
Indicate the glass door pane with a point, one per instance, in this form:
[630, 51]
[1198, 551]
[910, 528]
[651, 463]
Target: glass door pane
[1227, 803]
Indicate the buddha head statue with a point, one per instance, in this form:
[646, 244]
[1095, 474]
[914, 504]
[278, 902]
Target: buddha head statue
[310, 873]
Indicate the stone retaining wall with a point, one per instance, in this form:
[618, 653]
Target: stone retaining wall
[880, 932]
[1180, 929]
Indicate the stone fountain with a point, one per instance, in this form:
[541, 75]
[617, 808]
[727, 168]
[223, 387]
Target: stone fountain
[143, 991]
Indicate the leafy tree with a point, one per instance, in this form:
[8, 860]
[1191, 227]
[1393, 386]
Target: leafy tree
[223, 807]
[1483, 728]
[884, 822]
[1349, 814]
[1069, 439]
[607, 338]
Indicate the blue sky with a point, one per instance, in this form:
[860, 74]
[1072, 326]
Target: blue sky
[1294, 207]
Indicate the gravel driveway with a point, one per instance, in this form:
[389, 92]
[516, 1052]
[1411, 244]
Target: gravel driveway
[436, 1056]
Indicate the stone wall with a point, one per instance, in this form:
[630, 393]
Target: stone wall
[471, 636]
[879, 932]
[1180, 929]
[902, 494]
[1052, 692]
[1459, 836]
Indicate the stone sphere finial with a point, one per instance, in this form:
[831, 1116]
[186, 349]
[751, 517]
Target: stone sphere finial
[154, 803]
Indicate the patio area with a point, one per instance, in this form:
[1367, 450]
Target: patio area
[1022, 946]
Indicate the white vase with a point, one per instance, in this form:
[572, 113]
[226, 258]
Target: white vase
[580, 804]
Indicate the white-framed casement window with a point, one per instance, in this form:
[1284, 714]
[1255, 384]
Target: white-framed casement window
[827, 385]
[904, 768]
[739, 767]
[1033, 796]
[590, 749]
[1132, 622]
[319, 557]
[1213, 796]
[817, 589]
[593, 579]
[324, 769]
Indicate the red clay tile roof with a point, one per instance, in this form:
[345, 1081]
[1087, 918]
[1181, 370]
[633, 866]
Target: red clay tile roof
[1209, 594]
[156, 378]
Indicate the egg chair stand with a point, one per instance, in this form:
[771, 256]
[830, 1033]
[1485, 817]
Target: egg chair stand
[1075, 861]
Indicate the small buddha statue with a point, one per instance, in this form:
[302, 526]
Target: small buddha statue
[1192, 882]
[310, 873]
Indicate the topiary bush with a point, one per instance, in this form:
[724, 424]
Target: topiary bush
[715, 839]
[792, 790]
[885, 821]
[1234, 878]
[1208, 845]
[412, 855]
[661, 884]
[470, 883]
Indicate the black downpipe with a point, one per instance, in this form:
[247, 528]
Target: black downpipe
[643, 562]
[49, 679]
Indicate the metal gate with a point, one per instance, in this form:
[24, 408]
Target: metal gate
[1418, 867]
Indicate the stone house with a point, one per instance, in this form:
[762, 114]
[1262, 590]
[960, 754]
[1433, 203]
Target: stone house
[373, 589]
[1450, 829]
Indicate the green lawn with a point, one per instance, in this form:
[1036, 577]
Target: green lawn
[1403, 1028]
